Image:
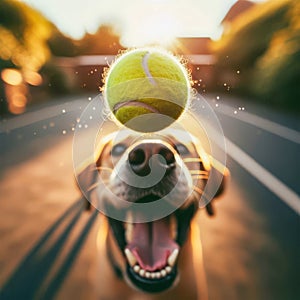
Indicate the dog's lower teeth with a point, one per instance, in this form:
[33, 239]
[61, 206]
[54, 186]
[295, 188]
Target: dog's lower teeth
[136, 268]
[152, 275]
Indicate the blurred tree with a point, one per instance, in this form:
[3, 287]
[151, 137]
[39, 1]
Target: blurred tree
[263, 46]
[104, 41]
[23, 35]
[249, 37]
[277, 75]
[61, 45]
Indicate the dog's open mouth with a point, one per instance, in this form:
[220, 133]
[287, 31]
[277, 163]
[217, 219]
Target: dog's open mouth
[151, 251]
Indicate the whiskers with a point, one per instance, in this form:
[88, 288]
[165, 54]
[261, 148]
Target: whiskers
[104, 169]
[192, 159]
[199, 174]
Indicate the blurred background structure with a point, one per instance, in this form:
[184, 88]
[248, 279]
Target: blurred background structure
[249, 48]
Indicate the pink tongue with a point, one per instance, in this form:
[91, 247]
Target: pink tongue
[152, 244]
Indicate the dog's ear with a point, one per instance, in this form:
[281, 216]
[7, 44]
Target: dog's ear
[223, 174]
[87, 174]
[220, 174]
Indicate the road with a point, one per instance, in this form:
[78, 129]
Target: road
[251, 247]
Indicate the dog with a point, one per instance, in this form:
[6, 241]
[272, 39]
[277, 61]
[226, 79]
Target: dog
[144, 253]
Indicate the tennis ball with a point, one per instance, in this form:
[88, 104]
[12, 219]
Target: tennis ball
[147, 89]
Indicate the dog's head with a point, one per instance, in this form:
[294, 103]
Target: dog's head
[143, 171]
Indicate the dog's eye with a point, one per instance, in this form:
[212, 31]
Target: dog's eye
[118, 149]
[181, 149]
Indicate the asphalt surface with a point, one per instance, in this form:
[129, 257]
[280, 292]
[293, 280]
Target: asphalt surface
[251, 247]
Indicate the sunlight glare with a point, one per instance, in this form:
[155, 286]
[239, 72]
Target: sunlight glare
[157, 28]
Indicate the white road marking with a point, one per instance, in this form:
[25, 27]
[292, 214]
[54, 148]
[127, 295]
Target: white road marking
[275, 128]
[39, 115]
[286, 194]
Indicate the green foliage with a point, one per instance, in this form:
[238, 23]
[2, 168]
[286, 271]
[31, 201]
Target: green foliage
[264, 44]
[250, 34]
[23, 35]
[12, 18]
[61, 45]
[277, 77]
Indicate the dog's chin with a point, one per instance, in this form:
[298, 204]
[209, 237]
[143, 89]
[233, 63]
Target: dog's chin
[151, 249]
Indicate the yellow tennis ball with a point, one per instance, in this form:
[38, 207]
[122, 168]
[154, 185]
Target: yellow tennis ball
[147, 89]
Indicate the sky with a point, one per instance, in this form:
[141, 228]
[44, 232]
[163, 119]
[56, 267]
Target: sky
[137, 21]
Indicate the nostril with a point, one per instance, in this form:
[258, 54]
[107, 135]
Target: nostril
[168, 156]
[136, 157]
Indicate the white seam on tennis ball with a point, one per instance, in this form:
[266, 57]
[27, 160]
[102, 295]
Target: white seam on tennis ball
[146, 68]
[135, 103]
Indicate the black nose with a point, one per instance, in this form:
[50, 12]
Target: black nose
[140, 156]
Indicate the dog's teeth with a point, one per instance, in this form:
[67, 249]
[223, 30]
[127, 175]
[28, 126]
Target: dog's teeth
[142, 272]
[168, 269]
[173, 227]
[163, 273]
[157, 275]
[130, 257]
[136, 268]
[172, 258]
[147, 274]
[152, 275]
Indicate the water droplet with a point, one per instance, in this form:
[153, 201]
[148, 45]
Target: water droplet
[94, 108]
[235, 112]
[73, 128]
[34, 133]
[243, 108]
[91, 117]
[64, 132]
[218, 97]
[86, 126]
[63, 111]
[78, 120]
[79, 126]
[90, 98]
[217, 105]
[51, 124]
[225, 84]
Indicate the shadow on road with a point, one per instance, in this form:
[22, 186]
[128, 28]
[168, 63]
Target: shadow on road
[27, 280]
